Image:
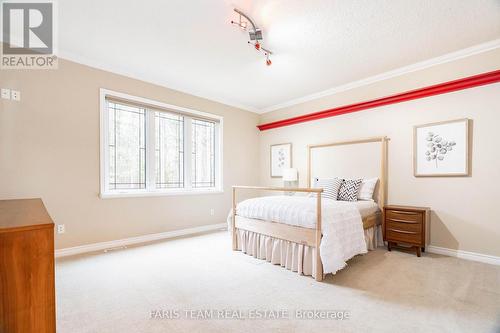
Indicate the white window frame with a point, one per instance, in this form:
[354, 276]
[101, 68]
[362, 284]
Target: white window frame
[151, 189]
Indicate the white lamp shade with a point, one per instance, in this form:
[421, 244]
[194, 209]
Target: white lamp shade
[290, 175]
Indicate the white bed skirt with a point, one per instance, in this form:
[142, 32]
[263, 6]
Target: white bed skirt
[293, 256]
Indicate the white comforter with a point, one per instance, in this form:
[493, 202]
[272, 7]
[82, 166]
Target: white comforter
[343, 235]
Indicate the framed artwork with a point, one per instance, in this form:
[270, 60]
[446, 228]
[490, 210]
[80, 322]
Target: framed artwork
[441, 149]
[281, 158]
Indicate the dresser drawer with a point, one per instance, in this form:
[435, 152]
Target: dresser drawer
[415, 226]
[404, 216]
[399, 235]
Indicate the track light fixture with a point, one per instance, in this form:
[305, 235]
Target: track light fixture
[255, 34]
[268, 61]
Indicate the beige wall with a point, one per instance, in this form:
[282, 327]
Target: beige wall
[465, 214]
[49, 148]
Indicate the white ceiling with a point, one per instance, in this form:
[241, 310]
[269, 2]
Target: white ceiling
[191, 46]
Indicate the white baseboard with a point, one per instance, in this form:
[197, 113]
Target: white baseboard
[70, 251]
[488, 259]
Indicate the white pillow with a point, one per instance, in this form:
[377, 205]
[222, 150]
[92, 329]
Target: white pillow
[367, 188]
[330, 187]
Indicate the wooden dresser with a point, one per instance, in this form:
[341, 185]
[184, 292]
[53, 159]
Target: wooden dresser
[27, 289]
[408, 225]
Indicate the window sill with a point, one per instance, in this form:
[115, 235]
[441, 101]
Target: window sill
[138, 194]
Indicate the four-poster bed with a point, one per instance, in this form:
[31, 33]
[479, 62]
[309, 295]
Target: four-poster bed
[295, 235]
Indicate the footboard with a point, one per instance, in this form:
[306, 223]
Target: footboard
[306, 236]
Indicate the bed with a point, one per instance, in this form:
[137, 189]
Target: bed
[305, 232]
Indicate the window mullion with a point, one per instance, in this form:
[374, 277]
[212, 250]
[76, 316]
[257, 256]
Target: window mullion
[150, 150]
[217, 154]
[188, 146]
[105, 146]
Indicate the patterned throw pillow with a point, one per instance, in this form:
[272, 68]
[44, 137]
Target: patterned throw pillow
[349, 190]
[330, 187]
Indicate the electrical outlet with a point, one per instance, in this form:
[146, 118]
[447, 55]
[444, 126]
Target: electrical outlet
[212, 212]
[15, 95]
[61, 229]
[5, 93]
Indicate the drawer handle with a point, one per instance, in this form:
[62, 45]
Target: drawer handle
[403, 212]
[403, 221]
[404, 232]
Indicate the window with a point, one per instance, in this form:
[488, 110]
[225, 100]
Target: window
[127, 147]
[169, 150]
[151, 148]
[203, 153]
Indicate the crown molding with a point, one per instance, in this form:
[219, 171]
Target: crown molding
[437, 89]
[460, 54]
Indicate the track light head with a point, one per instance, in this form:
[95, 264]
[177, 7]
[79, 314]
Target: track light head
[255, 34]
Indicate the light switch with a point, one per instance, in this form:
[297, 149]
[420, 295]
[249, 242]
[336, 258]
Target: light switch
[15, 95]
[5, 93]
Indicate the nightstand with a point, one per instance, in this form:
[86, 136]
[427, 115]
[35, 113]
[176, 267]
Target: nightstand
[408, 225]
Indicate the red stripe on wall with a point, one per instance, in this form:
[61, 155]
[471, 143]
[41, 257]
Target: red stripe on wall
[442, 88]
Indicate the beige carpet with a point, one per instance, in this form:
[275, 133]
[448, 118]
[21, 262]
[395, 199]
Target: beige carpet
[383, 292]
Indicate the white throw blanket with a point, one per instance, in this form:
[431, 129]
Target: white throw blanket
[342, 227]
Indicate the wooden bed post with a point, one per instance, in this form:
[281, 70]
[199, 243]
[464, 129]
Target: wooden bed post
[233, 218]
[383, 174]
[308, 166]
[319, 265]
[382, 196]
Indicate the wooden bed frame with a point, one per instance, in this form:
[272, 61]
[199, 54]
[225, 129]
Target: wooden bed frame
[301, 235]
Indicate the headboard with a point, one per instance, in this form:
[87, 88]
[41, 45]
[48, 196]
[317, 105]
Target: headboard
[365, 158]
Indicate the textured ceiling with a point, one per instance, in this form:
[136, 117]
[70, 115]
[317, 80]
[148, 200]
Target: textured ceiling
[191, 46]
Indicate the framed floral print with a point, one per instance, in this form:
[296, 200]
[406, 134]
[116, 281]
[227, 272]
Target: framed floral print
[441, 149]
[281, 158]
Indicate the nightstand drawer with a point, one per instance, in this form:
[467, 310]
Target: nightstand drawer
[401, 215]
[398, 224]
[394, 234]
